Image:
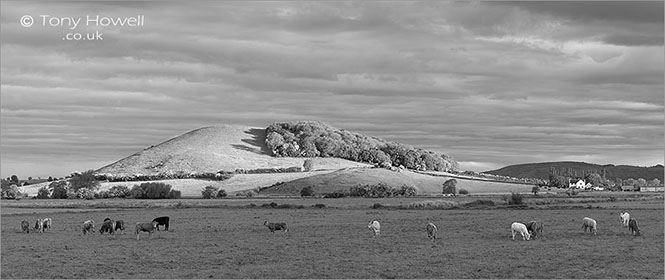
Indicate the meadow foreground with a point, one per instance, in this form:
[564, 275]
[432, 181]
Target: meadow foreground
[336, 243]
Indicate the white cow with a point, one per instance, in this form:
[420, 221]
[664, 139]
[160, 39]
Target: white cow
[431, 231]
[521, 228]
[88, 226]
[375, 227]
[590, 224]
[46, 224]
[625, 217]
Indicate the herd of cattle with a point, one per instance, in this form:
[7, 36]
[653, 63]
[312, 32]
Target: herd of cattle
[527, 230]
[109, 225]
[535, 228]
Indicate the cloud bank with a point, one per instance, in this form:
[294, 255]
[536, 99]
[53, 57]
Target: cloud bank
[490, 83]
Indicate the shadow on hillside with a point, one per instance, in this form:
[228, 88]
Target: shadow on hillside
[257, 142]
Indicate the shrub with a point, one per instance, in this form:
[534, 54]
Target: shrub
[10, 192]
[515, 199]
[136, 192]
[221, 176]
[209, 192]
[407, 191]
[154, 190]
[307, 191]
[269, 205]
[84, 193]
[380, 190]
[479, 202]
[336, 194]
[290, 206]
[221, 193]
[59, 189]
[535, 190]
[85, 180]
[43, 193]
[103, 194]
[463, 191]
[319, 205]
[71, 194]
[433, 204]
[174, 194]
[308, 165]
[119, 191]
[449, 187]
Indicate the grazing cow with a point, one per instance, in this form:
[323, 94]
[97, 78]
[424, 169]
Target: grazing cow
[521, 228]
[431, 231]
[375, 226]
[119, 225]
[107, 226]
[25, 226]
[276, 226]
[535, 228]
[39, 225]
[46, 224]
[148, 227]
[88, 226]
[162, 221]
[632, 226]
[590, 224]
[625, 217]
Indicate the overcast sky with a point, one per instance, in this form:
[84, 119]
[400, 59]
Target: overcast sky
[490, 83]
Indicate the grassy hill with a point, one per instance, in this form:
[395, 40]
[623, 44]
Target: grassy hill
[425, 184]
[232, 147]
[213, 149]
[542, 170]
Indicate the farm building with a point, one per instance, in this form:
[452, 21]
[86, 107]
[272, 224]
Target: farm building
[652, 189]
[578, 184]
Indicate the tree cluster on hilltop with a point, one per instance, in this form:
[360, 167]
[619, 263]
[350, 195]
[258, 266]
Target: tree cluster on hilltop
[317, 139]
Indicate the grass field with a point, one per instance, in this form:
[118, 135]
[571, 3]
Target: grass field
[231, 242]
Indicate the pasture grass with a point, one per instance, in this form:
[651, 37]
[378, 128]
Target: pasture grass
[336, 243]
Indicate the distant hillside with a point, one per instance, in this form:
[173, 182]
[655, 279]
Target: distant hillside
[424, 184]
[542, 170]
[213, 149]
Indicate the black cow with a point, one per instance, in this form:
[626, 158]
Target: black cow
[107, 226]
[164, 221]
[535, 228]
[119, 225]
[632, 226]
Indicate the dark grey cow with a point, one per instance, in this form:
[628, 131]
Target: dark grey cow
[147, 227]
[632, 226]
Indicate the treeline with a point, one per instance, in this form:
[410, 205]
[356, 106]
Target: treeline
[218, 176]
[317, 139]
[367, 191]
[151, 190]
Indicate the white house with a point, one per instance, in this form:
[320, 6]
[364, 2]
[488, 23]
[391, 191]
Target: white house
[579, 184]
